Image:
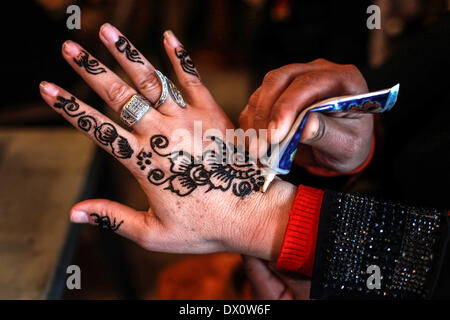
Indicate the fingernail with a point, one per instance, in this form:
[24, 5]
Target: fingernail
[78, 216]
[313, 129]
[173, 41]
[48, 89]
[70, 48]
[109, 33]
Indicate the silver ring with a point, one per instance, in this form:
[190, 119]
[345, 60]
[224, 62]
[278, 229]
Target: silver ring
[134, 109]
[176, 94]
[164, 89]
[168, 88]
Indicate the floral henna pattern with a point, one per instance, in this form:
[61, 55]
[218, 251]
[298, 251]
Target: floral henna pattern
[143, 160]
[210, 171]
[106, 133]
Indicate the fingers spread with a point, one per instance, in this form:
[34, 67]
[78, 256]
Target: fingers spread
[137, 226]
[107, 134]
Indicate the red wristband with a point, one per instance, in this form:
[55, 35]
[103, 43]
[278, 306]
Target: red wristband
[299, 244]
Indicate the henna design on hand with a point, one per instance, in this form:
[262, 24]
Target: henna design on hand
[185, 61]
[210, 170]
[106, 133]
[90, 65]
[104, 222]
[144, 159]
[123, 45]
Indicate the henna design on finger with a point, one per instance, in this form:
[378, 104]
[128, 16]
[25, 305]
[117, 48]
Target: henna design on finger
[90, 65]
[185, 61]
[123, 45]
[69, 106]
[106, 133]
[104, 223]
[210, 170]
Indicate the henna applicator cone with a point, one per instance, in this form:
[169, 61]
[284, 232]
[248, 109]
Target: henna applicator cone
[281, 156]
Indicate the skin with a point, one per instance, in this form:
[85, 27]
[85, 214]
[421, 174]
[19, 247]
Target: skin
[338, 141]
[198, 222]
[269, 283]
[218, 221]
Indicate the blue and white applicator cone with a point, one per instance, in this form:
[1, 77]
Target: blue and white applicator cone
[280, 161]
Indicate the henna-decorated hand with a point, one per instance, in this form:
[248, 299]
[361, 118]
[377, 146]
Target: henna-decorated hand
[198, 204]
[336, 141]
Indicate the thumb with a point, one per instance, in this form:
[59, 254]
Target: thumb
[116, 217]
[313, 129]
[343, 143]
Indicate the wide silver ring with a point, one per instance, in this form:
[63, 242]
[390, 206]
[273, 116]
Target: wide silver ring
[134, 109]
[168, 88]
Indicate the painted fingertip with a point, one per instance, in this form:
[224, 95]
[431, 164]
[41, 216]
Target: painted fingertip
[79, 216]
[70, 48]
[171, 39]
[48, 89]
[109, 33]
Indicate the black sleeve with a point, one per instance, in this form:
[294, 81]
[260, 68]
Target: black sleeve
[408, 245]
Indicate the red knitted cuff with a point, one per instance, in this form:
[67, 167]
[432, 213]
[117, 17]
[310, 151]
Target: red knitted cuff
[319, 171]
[299, 244]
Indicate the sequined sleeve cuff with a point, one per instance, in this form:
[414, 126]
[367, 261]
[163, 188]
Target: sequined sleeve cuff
[369, 248]
[345, 242]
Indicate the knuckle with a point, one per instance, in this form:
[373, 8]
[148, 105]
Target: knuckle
[118, 93]
[320, 61]
[350, 67]
[290, 67]
[351, 70]
[308, 79]
[282, 107]
[252, 102]
[355, 80]
[149, 81]
[192, 82]
[272, 76]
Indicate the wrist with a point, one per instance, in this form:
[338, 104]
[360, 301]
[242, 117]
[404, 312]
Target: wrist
[261, 221]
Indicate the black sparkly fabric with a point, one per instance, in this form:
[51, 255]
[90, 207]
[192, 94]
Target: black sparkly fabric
[398, 239]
